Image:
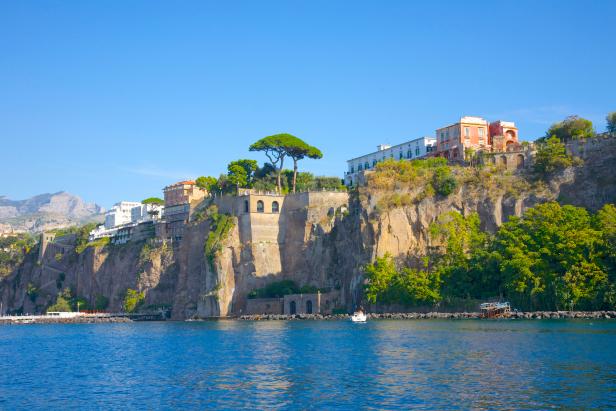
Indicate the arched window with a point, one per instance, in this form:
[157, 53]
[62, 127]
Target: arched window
[292, 308]
[260, 207]
[275, 207]
[409, 154]
[246, 206]
[309, 307]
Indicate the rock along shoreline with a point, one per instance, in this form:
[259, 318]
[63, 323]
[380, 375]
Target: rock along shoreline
[534, 315]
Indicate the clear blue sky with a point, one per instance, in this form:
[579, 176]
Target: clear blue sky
[112, 100]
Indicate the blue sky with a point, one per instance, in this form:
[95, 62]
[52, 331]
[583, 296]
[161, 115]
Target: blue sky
[112, 100]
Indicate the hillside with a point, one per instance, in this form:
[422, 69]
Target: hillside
[46, 211]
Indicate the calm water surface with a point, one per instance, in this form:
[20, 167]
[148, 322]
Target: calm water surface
[310, 364]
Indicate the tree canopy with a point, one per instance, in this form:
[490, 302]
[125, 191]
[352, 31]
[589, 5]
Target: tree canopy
[206, 183]
[279, 146]
[154, 200]
[552, 258]
[571, 128]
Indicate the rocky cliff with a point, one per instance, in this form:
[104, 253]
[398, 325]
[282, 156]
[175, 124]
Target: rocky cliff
[321, 239]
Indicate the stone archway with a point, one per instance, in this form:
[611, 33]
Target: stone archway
[503, 161]
[292, 308]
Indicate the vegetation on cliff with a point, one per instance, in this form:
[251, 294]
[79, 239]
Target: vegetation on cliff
[133, 299]
[552, 258]
[220, 227]
[13, 250]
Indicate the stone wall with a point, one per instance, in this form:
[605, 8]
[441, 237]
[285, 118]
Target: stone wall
[264, 306]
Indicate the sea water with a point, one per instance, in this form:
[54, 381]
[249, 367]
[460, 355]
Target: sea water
[421, 364]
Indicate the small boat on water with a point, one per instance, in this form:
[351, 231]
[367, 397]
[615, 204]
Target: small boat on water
[359, 317]
[495, 310]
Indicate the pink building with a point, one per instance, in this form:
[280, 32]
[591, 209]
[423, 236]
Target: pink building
[477, 134]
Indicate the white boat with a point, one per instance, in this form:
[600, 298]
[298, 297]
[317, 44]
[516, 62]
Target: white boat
[359, 317]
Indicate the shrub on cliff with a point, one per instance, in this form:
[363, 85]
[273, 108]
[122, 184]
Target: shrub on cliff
[443, 181]
[220, 226]
[551, 157]
[61, 304]
[132, 300]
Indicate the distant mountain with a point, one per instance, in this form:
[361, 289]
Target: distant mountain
[46, 211]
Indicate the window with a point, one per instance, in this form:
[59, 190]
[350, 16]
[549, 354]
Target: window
[401, 155]
[409, 154]
[417, 151]
[467, 132]
[373, 163]
[481, 131]
[353, 169]
[260, 207]
[367, 166]
[246, 206]
[360, 167]
[275, 207]
[442, 136]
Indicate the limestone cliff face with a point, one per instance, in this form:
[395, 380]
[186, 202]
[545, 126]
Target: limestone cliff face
[320, 239]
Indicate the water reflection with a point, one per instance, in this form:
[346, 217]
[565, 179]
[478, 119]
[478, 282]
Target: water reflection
[324, 365]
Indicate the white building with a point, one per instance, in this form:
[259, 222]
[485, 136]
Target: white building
[409, 150]
[121, 213]
[126, 214]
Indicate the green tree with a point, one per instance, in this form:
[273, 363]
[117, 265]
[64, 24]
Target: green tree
[241, 173]
[611, 122]
[380, 275]
[583, 282]
[206, 183]
[132, 300]
[571, 128]
[537, 250]
[154, 200]
[605, 222]
[279, 146]
[551, 156]
[299, 150]
[387, 285]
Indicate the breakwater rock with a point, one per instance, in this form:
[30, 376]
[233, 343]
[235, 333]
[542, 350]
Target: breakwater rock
[534, 315]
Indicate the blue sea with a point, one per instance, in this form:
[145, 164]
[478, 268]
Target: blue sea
[423, 364]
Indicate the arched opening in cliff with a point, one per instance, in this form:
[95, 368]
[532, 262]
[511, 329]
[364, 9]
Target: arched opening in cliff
[309, 307]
